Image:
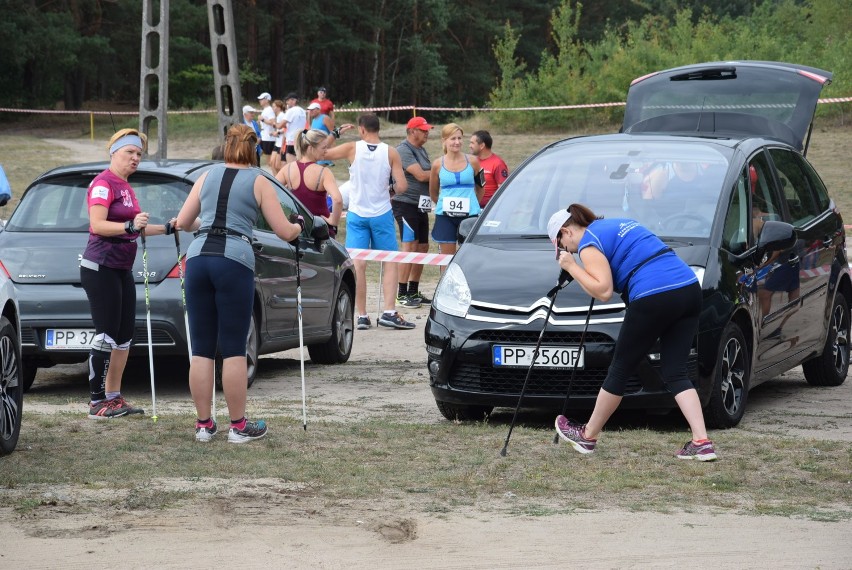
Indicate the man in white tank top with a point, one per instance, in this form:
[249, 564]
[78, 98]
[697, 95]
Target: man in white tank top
[370, 223]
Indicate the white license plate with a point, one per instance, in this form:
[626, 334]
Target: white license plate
[68, 339]
[548, 356]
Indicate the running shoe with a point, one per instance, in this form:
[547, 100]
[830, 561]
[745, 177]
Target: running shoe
[701, 451]
[364, 323]
[573, 434]
[394, 321]
[424, 300]
[205, 432]
[124, 404]
[251, 431]
[408, 302]
[108, 409]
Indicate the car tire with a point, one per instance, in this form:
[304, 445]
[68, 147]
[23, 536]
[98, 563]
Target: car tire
[11, 387]
[337, 349]
[28, 374]
[831, 367]
[731, 380]
[463, 412]
[252, 349]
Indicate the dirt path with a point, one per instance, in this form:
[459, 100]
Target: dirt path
[274, 523]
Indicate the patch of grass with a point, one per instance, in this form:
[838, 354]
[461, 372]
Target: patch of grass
[440, 467]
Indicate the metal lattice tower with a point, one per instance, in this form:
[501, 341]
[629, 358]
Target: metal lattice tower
[154, 80]
[226, 73]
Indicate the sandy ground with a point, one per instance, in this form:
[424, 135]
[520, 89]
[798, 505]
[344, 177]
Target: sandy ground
[273, 523]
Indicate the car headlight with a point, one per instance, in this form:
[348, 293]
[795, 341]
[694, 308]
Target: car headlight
[452, 295]
[699, 272]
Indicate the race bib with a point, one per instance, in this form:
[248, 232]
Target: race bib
[425, 204]
[456, 207]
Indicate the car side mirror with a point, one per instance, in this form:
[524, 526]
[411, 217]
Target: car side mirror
[776, 236]
[465, 228]
[320, 230]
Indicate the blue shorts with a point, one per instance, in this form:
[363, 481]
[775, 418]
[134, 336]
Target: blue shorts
[446, 228]
[378, 232]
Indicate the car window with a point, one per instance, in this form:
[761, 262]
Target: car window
[53, 206]
[795, 186]
[60, 204]
[162, 199]
[735, 236]
[823, 200]
[670, 187]
[289, 204]
[765, 203]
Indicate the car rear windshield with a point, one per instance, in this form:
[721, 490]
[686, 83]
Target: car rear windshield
[59, 205]
[672, 188]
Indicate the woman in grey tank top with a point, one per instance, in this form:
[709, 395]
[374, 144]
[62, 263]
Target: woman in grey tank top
[223, 206]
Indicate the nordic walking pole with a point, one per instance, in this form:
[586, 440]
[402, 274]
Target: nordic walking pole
[299, 311]
[552, 294]
[574, 369]
[148, 323]
[186, 316]
[301, 340]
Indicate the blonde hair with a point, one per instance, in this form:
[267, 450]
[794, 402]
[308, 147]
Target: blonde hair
[239, 146]
[124, 133]
[447, 131]
[306, 138]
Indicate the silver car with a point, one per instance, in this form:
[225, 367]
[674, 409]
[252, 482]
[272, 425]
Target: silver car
[44, 238]
[11, 387]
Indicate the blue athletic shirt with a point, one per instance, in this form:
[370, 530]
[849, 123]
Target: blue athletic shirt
[457, 185]
[626, 244]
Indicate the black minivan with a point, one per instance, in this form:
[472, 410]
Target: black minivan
[711, 158]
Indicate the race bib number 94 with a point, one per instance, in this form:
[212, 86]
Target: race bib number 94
[456, 206]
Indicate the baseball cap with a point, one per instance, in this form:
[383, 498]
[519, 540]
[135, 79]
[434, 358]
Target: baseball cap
[554, 225]
[418, 123]
[291, 95]
[314, 105]
[249, 109]
[323, 89]
[264, 95]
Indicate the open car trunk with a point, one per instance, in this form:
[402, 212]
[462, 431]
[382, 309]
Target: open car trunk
[740, 98]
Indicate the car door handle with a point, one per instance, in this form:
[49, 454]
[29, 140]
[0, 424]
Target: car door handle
[794, 260]
[827, 243]
[256, 245]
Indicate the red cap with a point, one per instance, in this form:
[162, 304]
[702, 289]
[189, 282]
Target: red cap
[418, 123]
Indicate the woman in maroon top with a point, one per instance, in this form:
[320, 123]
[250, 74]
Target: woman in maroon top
[311, 182]
[115, 221]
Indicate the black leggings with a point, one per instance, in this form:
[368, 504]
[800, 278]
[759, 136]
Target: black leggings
[112, 300]
[672, 317]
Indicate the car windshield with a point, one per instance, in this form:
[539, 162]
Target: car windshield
[670, 187]
[59, 205]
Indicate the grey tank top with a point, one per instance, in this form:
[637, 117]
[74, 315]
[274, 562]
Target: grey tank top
[227, 201]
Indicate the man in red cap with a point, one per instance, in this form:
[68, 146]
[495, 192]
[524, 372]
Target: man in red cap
[411, 209]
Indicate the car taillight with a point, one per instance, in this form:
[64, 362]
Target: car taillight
[175, 272]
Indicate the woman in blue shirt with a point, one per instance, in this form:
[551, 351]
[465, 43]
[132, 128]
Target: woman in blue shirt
[663, 300]
[454, 187]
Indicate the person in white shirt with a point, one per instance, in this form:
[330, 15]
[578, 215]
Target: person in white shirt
[280, 125]
[370, 223]
[295, 119]
[267, 127]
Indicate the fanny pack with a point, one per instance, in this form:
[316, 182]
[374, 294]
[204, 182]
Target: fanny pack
[223, 232]
[625, 292]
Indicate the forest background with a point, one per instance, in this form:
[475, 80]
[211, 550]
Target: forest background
[76, 54]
